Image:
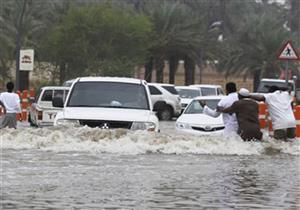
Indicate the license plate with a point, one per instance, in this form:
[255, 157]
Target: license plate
[49, 116]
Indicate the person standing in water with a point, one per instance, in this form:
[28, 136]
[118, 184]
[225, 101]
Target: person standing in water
[11, 103]
[230, 121]
[279, 103]
[246, 111]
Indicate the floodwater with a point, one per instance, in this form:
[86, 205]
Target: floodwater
[89, 168]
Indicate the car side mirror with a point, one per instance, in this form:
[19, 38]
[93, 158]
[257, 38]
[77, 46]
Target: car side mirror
[57, 102]
[295, 78]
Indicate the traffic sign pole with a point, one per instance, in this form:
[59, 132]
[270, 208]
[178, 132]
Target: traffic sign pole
[287, 73]
[288, 52]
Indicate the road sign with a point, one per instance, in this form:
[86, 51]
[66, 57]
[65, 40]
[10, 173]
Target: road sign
[26, 60]
[288, 52]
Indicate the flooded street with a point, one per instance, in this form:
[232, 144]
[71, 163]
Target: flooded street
[88, 168]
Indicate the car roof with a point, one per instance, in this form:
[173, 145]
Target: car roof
[187, 87]
[276, 80]
[55, 88]
[208, 97]
[161, 84]
[206, 85]
[111, 79]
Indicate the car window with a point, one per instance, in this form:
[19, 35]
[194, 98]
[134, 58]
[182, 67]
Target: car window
[154, 90]
[47, 95]
[188, 93]
[208, 91]
[170, 89]
[220, 91]
[109, 94]
[195, 106]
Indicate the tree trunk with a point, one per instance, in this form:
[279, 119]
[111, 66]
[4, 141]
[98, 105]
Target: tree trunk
[62, 73]
[159, 66]
[19, 78]
[189, 69]
[295, 11]
[148, 70]
[256, 80]
[173, 64]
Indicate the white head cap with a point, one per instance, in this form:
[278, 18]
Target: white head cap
[244, 92]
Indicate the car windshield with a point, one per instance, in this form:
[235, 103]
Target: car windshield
[188, 93]
[264, 86]
[208, 91]
[170, 89]
[109, 94]
[195, 106]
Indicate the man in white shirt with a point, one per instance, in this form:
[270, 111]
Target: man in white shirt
[230, 121]
[281, 112]
[11, 103]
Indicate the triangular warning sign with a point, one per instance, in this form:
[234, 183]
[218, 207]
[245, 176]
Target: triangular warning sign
[288, 52]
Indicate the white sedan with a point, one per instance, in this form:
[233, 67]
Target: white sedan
[193, 121]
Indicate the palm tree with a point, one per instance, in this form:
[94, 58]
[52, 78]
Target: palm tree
[179, 33]
[252, 50]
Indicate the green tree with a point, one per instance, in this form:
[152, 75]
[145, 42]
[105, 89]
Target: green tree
[181, 32]
[98, 40]
[23, 23]
[252, 50]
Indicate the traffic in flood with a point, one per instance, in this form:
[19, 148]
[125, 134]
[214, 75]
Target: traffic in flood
[91, 168]
[149, 104]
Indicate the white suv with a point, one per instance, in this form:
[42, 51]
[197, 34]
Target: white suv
[41, 112]
[108, 103]
[165, 100]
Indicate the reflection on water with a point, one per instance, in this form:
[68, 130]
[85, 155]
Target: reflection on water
[90, 169]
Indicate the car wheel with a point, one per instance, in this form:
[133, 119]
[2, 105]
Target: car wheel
[165, 114]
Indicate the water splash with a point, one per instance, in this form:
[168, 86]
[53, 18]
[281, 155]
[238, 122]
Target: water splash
[127, 142]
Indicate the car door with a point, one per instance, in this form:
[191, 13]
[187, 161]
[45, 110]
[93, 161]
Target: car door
[156, 94]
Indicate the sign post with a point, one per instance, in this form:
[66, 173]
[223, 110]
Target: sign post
[287, 53]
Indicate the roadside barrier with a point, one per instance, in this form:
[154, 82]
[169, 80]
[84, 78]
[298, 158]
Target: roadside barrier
[25, 100]
[297, 116]
[270, 126]
[31, 95]
[24, 104]
[262, 116]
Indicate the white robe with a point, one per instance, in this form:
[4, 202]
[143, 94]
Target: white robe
[230, 121]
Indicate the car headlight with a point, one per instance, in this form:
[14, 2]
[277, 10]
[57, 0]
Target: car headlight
[149, 126]
[182, 125]
[68, 122]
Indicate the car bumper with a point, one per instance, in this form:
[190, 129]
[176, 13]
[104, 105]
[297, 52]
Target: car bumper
[196, 132]
[44, 124]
